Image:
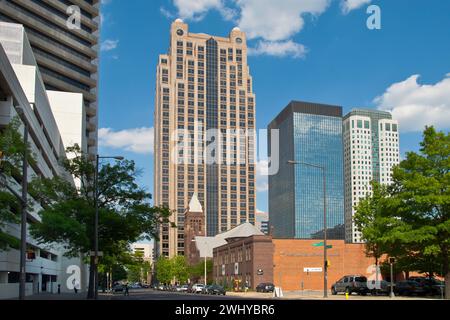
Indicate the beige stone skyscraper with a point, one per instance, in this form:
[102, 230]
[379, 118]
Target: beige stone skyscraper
[204, 132]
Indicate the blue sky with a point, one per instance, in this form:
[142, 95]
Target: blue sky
[311, 50]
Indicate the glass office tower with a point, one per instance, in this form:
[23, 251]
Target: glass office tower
[310, 133]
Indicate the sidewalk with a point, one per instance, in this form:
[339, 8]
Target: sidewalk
[316, 295]
[60, 297]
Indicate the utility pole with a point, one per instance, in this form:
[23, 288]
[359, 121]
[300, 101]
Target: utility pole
[24, 200]
[96, 220]
[96, 230]
[325, 235]
[206, 282]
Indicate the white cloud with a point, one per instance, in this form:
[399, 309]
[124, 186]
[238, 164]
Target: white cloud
[350, 5]
[417, 105]
[197, 9]
[277, 20]
[279, 49]
[109, 45]
[274, 23]
[262, 176]
[138, 140]
[166, 13]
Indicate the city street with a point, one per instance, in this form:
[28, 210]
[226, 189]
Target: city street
[137, 295]
[173, 296]
[162, 295]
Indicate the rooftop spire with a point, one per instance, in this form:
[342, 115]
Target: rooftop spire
[195, 205]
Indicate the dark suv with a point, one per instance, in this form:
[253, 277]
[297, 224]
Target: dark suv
[409, 288]
[431, 286]
[265, 287]
[351, 284]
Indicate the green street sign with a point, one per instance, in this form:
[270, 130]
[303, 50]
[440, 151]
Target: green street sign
[320, 244]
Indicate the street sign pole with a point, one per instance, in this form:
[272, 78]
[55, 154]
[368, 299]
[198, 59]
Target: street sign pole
[392, 260]
[325, 278]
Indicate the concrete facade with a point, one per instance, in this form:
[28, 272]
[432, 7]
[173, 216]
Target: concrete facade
[21, 86]
[371, 150]
[262, 222]
[145, 249]
[67, 57]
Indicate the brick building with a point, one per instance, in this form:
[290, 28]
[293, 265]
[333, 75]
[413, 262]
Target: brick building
[293, 258]
[291, 264]
[194, 227]
[245, 260]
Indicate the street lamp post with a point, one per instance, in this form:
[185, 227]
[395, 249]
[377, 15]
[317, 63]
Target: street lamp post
[325, 231]
[23, 199]
[391, 262]
[205, 270]
[96, 219]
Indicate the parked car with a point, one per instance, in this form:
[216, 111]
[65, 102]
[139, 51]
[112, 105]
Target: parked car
[135, 286]
[351, 284]
[197, 288]
[162, 287]
[265, 287]
[409, 288]
[384, 288]
[184, 288]
[206, 289]
[178, 288]
[218, 290]
[118, 288]
[432, 286]
[214, 290]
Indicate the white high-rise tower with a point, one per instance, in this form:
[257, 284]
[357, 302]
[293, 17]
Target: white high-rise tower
[371, 151]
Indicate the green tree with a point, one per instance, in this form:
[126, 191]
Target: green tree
[373, 220]
[198, 271]
[180, 269]
[12, 148]
[134, 273]
[164, 271]
[115, 264]
[420, 199]
[138, 269]
[125, 213]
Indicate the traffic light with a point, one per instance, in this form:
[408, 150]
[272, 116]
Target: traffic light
[327, 264]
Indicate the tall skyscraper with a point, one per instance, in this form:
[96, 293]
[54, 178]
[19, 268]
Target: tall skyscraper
[371, 150]
[203, 93]
[311, 134]
[67, 57]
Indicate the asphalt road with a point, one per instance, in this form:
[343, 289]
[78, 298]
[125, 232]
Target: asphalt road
[162, 295]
